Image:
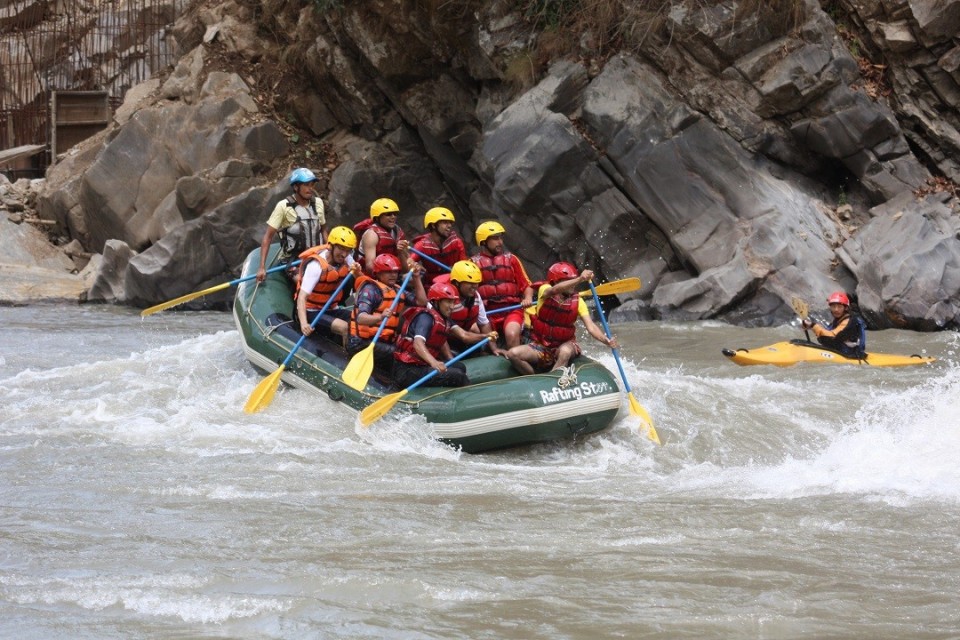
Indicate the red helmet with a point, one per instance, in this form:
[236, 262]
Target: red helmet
[386, 262]
[442, 291]
[561, 271]
[839, 296]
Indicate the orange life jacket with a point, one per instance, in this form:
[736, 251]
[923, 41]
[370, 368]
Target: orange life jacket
[388, 294]
[328, 282]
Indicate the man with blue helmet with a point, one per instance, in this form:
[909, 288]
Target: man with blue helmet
[298, 219]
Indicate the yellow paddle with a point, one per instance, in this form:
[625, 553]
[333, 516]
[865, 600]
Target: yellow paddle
[360, 366]
[803, 310]
[635, 407]
[606, 289]
[614, 286]
[196, 294]
[263, 393]
[375, 411]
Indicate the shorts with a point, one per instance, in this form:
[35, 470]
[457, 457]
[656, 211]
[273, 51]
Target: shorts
[499, 320]
[548, 355]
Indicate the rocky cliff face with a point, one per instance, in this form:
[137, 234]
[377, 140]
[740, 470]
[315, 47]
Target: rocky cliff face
[733, 157]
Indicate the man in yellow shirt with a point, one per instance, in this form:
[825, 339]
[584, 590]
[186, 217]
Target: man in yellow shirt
[553, 330]
[298, 219]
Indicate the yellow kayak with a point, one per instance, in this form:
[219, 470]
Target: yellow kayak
[785, 354]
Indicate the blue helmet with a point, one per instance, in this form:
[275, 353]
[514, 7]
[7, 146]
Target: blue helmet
[302, 175]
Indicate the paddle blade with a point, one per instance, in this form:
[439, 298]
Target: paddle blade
[615, 286]
[801, 307]
[376, 410]
[359, 368]
[187, 298]
[637, 409]
[262, 395]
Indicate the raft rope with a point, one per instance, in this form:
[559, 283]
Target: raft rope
[568, 377]
[269, 331]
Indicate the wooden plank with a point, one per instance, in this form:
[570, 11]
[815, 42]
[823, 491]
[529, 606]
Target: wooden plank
[23, 151]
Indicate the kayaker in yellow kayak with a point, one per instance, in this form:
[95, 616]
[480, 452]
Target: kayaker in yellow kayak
[846, 334]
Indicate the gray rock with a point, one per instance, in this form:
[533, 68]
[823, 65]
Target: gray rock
[907, 263]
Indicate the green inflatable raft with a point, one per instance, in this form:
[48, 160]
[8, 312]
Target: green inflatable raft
[499, 409]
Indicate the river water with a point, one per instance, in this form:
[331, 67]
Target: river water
[137, 500]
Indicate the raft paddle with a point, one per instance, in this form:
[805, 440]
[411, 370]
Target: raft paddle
[360, 366]
[375, 411]
[614, 286]
[606, 289]
[635, 407]
[803, 310]
[196, 294]
[433, 260]
[263, 393]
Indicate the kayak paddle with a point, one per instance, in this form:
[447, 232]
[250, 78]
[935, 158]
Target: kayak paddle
[196, 294]
[263, 393]
[803, 310]
[635, 407]
[375, 411]
[360, 366]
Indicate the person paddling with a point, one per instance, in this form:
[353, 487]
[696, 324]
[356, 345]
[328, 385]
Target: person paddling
[423, 347]
[553, 333]
[374, 297]
[322, 269]
[846, 333]
[468, 319]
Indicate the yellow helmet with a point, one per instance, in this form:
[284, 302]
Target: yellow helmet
[381, 206]
[437, 214]
[343, 236]
[466, 271]
[487, 229]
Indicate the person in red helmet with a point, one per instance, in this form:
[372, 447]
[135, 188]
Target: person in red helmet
[373, 299]
[846, 333]
[553, 335]
[423, 346]
[468, 320]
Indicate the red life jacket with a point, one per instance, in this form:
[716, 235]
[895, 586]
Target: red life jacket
[367, 332]
[327, 283]
[434, 342]
[499, 287]
[466, 312]
[386, 241]
[555, 321]
[451, 251]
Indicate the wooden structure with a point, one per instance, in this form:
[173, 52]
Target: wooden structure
[64, 65]
[74, 117]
